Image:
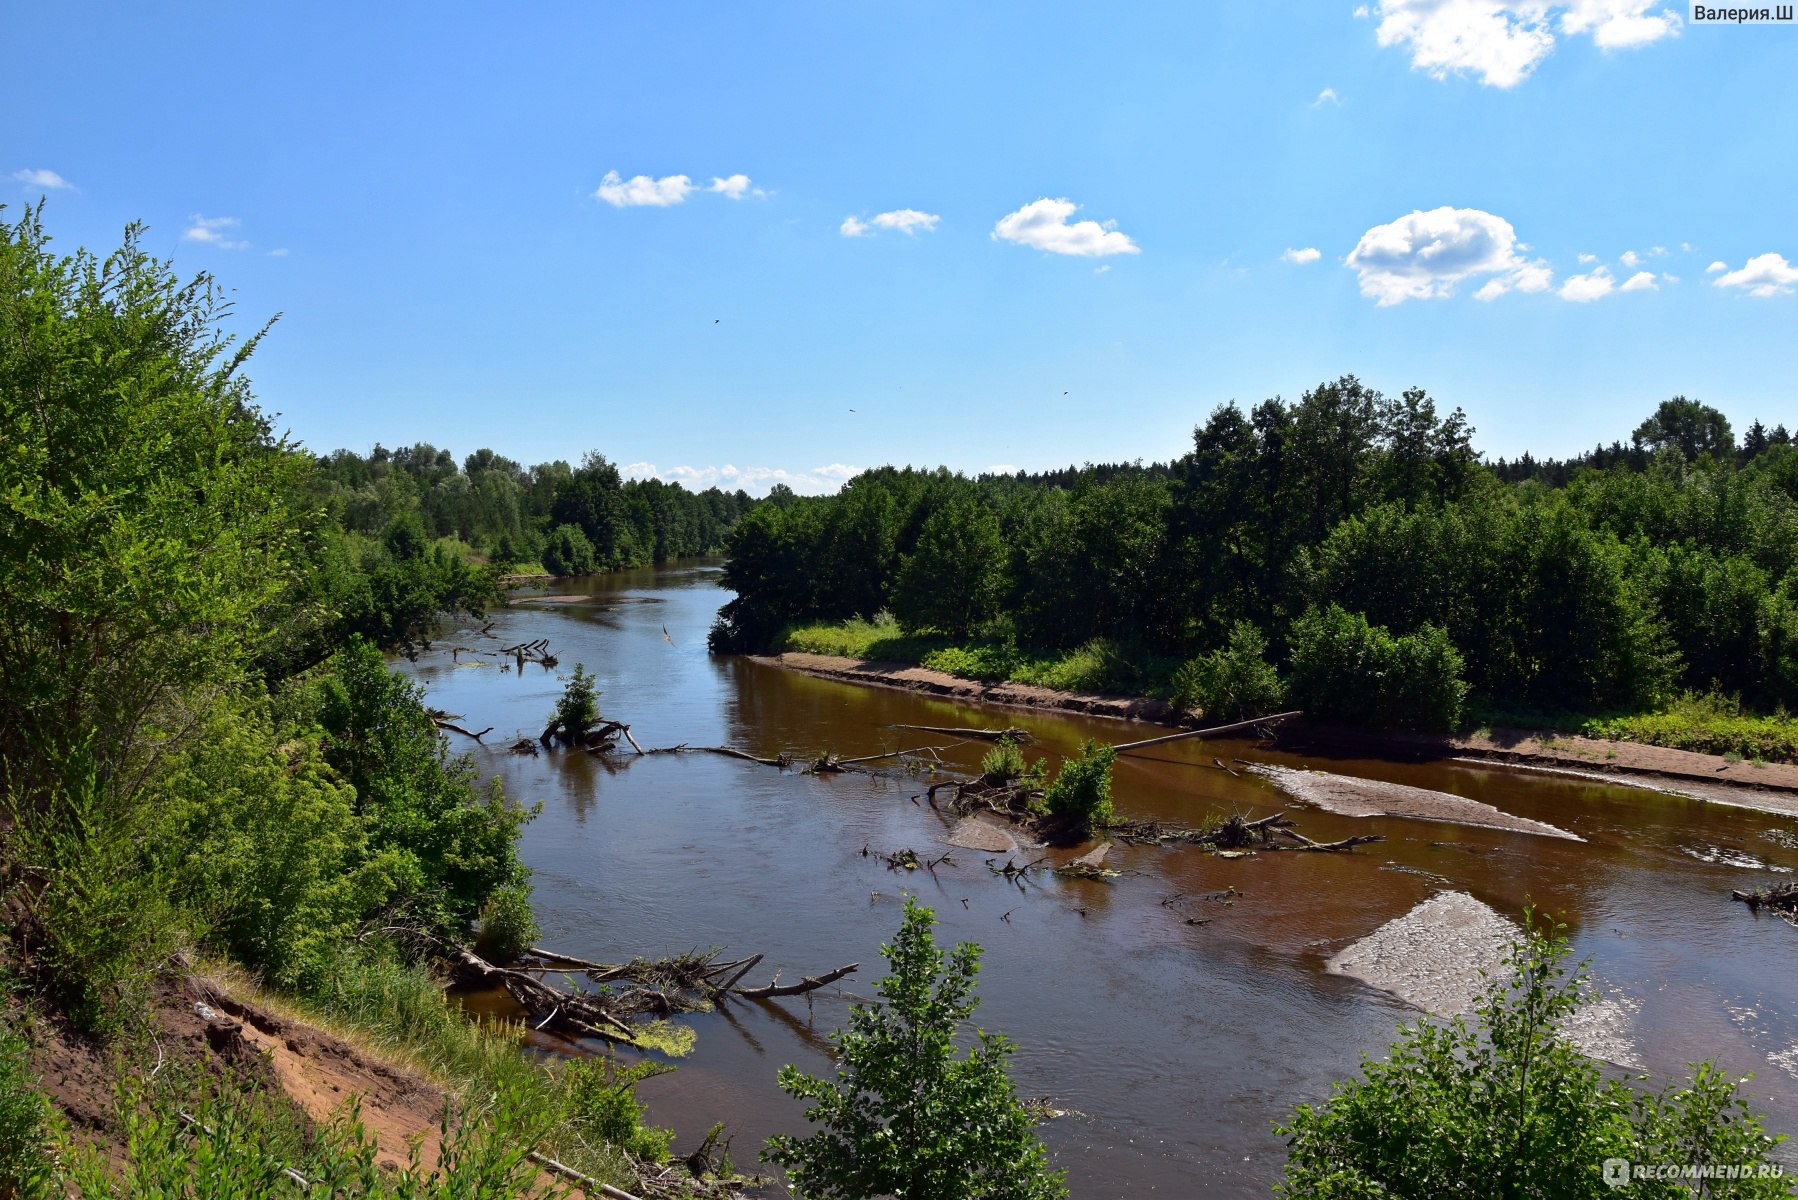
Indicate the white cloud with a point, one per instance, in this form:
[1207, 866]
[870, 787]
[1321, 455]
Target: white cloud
[1361, 11]
[1715, 267]
[1630, 259]
[1763, 275]
[1327, 96]
[1502, 41]
[755, 480]
[1424, 255]
[1587, 258]
[214, 231]
[641, 190]
[40, 178]
[734, 186]
[1641, 281]
[906, 220]
[1666, 278]
[1044, 224]
[1583, 289]
[1309, 254]
[1100, 270]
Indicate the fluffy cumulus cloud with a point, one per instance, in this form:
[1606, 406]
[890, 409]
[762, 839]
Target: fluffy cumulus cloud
[1593, 285]
[214, 231]
[1425, 255]
[1641, 281]
[1327, 96]
[1762, 275]
[646, 191]
[38, 177]
[641, 191]
[1502, 41]
[905, 220]
[1308, 254]
[754, 480]
[1044, 224]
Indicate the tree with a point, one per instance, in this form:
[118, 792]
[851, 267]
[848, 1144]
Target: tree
[568, 552]
[1081, 793]
[951, 582]
[907, 1116]
[1506, 1106]
[578, 709]
[1687, 426]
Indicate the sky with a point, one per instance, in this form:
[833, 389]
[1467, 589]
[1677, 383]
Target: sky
[784, 242]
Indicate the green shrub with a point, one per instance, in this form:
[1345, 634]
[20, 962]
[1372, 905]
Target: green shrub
[600, 1102]
[1344, 669]
[1235, 682]
[1005, 763]
[1506, 1106]
[567, 551]
[508, 924]
[1706, 724]
[27, 1123]
[1081, 793]
[906, 1115]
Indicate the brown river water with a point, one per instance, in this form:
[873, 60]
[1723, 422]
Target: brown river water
[1175, 1046]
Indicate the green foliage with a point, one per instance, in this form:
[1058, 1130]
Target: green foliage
[568, 552]
[950, 582]
[601, 1103]
[508, 924]
[28, 1125]
[1506, 1106]
[1235, 682]
[1686, 426]
[1344, 669]
[1708, 724]
[906, 1115]
[578, 708]
[450, 846]
[1005, 763]
[1081, 793]
[234, 1152]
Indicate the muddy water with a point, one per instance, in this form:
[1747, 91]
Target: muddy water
[1176, 1025]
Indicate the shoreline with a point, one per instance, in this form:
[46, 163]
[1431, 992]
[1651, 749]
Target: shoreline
[1771, 788]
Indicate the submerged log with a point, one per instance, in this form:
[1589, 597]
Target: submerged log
[985, 735]
[810, 983]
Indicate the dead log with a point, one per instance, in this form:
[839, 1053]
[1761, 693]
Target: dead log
[985, 735]
[455, 728]
[583, 1015]
[1306, 843]
[810, 983]
[868, 758]
[1211, 731]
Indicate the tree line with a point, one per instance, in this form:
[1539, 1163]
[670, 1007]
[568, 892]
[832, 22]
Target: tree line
[1351, 542]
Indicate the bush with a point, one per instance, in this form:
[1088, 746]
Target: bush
[1234, 682]
[27, 1125]
[1005, 763]
[907, 1116]
[1081, 793]
[601, 1103]
[568, 552]
[1344, 669]
[1505, 1106]
[508, 924]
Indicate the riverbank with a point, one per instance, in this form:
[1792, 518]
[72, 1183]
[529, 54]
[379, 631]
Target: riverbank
[1770, 787]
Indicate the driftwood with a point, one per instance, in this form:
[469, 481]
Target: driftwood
[1210, 731]
[985, 735]
[1781, 898]
[455, 728]
[810, 983]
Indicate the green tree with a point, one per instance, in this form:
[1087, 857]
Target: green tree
[578, 708]
[907, 1116]
[568, 552]
[1236, 681]
[1081, 793]
[951, 581]
[1505, 1106]
[1687, 426]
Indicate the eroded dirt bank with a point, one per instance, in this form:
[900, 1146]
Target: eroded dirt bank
[1772, 787]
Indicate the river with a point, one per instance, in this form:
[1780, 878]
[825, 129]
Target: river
[1174, 1045]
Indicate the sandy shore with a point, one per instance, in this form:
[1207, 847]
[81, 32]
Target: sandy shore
[1769, 788]
[1352, 797]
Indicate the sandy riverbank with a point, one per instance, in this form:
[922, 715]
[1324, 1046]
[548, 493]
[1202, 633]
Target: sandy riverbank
[1770, 788]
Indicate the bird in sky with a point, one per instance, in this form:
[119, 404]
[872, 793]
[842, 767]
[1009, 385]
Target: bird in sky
[666, 637]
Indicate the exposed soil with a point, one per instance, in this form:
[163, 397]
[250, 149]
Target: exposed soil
[1353, 797]
[197, 1022]
[1772, 787]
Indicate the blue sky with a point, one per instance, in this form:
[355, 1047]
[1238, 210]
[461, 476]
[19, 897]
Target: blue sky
[446, 203]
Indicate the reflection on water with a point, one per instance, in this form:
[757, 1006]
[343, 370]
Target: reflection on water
[1178, 1023]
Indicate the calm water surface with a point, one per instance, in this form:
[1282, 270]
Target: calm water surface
[1176, 1045]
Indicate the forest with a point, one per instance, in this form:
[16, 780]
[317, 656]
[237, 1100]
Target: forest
[1348, 553]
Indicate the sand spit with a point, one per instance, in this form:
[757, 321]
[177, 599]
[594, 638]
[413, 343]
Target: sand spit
[1352, 797]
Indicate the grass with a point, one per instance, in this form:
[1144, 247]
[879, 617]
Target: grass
[398, 1013]
[1708, 724]
[1101, 665]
